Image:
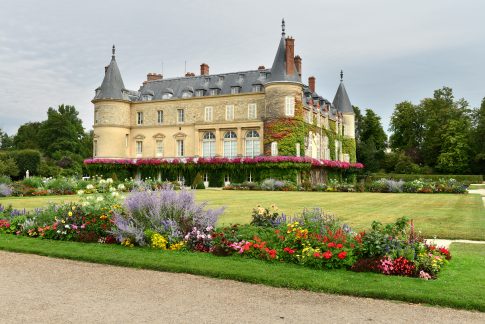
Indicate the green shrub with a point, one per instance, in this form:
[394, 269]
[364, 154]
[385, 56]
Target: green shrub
[26, 160]
[34, 182]
[465, 178]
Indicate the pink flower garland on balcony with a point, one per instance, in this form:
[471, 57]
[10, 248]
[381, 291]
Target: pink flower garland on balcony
[222, 160]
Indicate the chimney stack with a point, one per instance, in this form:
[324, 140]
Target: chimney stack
[204, 69]
[290, 55]
[261, 67]
[154, 76]
[311, 83]
[189, 74]
[298, 64]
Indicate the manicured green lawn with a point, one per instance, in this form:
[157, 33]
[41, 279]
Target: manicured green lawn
[460, 285]
[477, 186]
[442, 215]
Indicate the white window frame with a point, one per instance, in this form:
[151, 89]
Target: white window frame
[180, 148]
[230, 112]
[160, 116]
[230, 142]
[208, 113]
[290, 106]
[234, 90]
[209, 141]
[159, 148]
[139, 148]
[274, 148]
[199, 93]
[180, 116]
[214, 92]
[252, 143]
[139, 117]
[252, 111]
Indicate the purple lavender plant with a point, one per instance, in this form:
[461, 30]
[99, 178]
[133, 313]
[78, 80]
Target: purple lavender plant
[165, 211]
[5, 190]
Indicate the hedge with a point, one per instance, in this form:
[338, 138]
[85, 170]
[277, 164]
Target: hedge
[26, 160]
[465, 178]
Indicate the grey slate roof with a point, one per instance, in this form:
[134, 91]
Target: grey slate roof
[223, 82]
[342, 101]
[278, 69]
[112, 86]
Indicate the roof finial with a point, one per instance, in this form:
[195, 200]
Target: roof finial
[283, 27]
[113, 51]
[341, 75]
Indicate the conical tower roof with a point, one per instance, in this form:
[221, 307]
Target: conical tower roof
[278, 69]
[341, 100]
[112, 86]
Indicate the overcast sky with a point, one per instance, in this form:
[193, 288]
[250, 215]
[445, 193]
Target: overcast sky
[54, 52]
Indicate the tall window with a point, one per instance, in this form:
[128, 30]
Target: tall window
[139, 148]
[230, 144]
[290, 106]
[139, 118]
[274, 148]
[199, 93]
[252, 111]
[229, 112]
[180, 116]
[160, 116]
[208, 114]
[159, 148]
[126, 140]
[209, 144]
[180, 148]
[214, 92]
[95, 148]
[252, 143]
[234, 90]
[96, 116]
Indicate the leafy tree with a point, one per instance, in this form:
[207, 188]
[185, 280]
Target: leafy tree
[62, 131]
[8, 166]
[372, 141]
[454, 156]
[439, 111]
[27, 136]
[5, 140]
[407, 125]
[478, 139]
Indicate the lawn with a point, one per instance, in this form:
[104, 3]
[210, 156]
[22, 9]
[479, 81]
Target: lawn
[453, 216]
[460, 285]
[477, 186]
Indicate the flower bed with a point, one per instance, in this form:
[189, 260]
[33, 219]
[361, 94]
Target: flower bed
[166, 219]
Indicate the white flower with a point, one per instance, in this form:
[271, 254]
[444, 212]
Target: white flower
[121, 187]
[115, 194]
[67, 226]
[109, 180]
[99, 198]
[58, 231]
[80, 192]
[85, 203]
[102, 181]
[111, 189]
[89, 187]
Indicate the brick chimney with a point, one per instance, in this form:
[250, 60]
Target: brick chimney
[261, 67]
[189, 74]
[311, 83]
[290, 55]
[298, 64]
[154, 76]
[204, 69]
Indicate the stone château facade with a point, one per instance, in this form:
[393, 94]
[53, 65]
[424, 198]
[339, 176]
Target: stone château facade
[240, 114]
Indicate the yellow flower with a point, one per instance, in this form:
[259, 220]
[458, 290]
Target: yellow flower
[63, 221]
[73, 207]
[69, 214]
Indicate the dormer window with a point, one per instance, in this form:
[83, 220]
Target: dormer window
[214, 92]
[146, 97]
[221, 78]
[235, 90]
[167, 95]
[262, 75]
[257, 88]
[199, 93]
[186, 94]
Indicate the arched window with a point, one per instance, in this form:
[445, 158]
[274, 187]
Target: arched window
[252, 143]
[230, 144]
[209, 144]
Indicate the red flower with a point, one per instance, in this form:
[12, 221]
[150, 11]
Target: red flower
[316, 255]
[327, 255]
[339, 246]
[331, 244]
[342, 255]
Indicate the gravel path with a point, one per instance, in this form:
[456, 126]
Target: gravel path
[44, 290]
